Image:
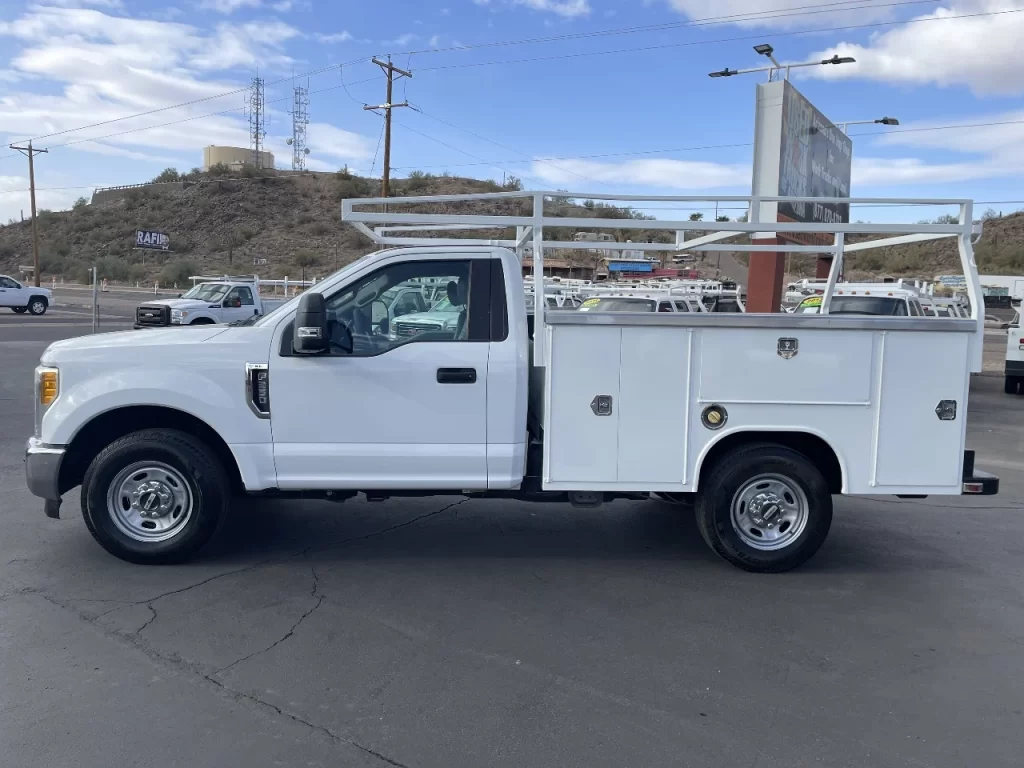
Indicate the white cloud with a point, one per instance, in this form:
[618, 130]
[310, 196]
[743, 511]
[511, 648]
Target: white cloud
[663, 173]
[434, 41]
[14, 198]
[403, 39]
[283, 6]
[988, 151]
[228, 6]
[565, 8]
[84, 3]
[98, 67]
[983, 53]
[326, 139]
[337, 37]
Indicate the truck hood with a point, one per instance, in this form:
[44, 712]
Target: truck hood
[189, 304]
[94, 345]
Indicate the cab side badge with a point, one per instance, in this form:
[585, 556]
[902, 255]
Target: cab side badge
[788, 348]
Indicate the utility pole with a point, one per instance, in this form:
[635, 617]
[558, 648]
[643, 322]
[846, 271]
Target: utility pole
[389, 70]
[31, 153]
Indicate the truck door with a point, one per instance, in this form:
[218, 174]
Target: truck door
[238, 304]
[11, 293]
[389, 407]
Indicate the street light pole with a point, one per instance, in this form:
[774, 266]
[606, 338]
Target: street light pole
[844, 124]
[776, 66]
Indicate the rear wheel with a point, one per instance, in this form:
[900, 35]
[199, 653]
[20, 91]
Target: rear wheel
[764, 508]
[37, 305]
[1012, 384]
[155, 496]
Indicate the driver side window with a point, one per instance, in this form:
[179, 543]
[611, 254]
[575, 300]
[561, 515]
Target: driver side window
[6, 282]
[379, 312]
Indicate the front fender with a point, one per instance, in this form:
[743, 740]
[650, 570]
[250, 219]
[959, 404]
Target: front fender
[216, 397]
[193, 317]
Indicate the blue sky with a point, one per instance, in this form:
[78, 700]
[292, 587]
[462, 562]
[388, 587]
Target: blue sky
[484, 112]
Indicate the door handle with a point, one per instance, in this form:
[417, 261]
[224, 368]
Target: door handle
[456, 375]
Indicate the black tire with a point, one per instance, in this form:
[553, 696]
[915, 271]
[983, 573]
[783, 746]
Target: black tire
[734, 471]
[37, 305]
[204, 476]
[1012, 385]
[19, 310]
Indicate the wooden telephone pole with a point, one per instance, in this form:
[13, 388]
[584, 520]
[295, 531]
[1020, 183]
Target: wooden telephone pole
[31, 153]
[389, 70]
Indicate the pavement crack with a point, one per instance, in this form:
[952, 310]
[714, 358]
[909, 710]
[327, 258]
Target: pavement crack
[148, 621]
[336, 737]
[389, 529]
[288, 634]
[150, 600]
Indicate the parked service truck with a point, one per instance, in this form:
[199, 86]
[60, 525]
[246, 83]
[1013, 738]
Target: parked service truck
[207, 303]
[759, 419]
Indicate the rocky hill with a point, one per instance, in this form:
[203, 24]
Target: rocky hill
[278, 224]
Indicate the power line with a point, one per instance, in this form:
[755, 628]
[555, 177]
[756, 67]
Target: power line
[504, 146]
[737, 18]
[190, 103]
[840, 5]
[468, 154]
[761, 36]
[712, 146]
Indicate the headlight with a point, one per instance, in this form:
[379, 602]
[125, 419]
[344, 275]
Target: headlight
[47, 390]
[177, 315]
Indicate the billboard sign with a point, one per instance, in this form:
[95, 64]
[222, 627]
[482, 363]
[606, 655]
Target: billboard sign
[152, 241]
[798, 152]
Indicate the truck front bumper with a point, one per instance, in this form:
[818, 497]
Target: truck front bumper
[976, 482]
[42, 472]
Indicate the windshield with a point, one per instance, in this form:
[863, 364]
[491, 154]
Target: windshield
[207, 292]
[444, 305]
[617, 304]
[855, 305]
[867, 305]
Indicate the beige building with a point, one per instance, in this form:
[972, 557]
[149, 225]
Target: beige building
[233, 157]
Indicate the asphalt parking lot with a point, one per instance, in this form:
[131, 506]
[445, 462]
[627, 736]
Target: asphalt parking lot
[444, 632]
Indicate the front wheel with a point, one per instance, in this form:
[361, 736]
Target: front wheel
[37, 305]
[154, 496]
[764, 508]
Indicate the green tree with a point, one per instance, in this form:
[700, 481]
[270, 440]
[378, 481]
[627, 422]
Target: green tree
[80, 203]
[722, 218]
[696, 216]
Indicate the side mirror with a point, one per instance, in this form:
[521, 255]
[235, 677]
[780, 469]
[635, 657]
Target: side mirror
[311, 334]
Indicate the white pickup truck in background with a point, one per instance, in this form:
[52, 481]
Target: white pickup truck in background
[21, 297]
[757, 418]
[207, 303]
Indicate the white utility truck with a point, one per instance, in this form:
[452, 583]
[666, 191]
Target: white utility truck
[758, 419]
[207, 303]
[21, 298]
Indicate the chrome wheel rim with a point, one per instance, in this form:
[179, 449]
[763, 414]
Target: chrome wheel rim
[769, 512]
[38, 307]
[149, 501]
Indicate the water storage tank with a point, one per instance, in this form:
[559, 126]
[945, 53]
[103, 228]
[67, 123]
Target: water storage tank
[233, 157]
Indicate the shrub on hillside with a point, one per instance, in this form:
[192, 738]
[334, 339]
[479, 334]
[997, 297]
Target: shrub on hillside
[167, 174]
[177, 272]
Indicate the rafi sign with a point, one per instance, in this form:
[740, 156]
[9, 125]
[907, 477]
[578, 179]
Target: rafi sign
[150, 240]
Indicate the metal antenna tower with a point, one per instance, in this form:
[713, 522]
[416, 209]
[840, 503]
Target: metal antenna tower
[300, 119]
[257, 119]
